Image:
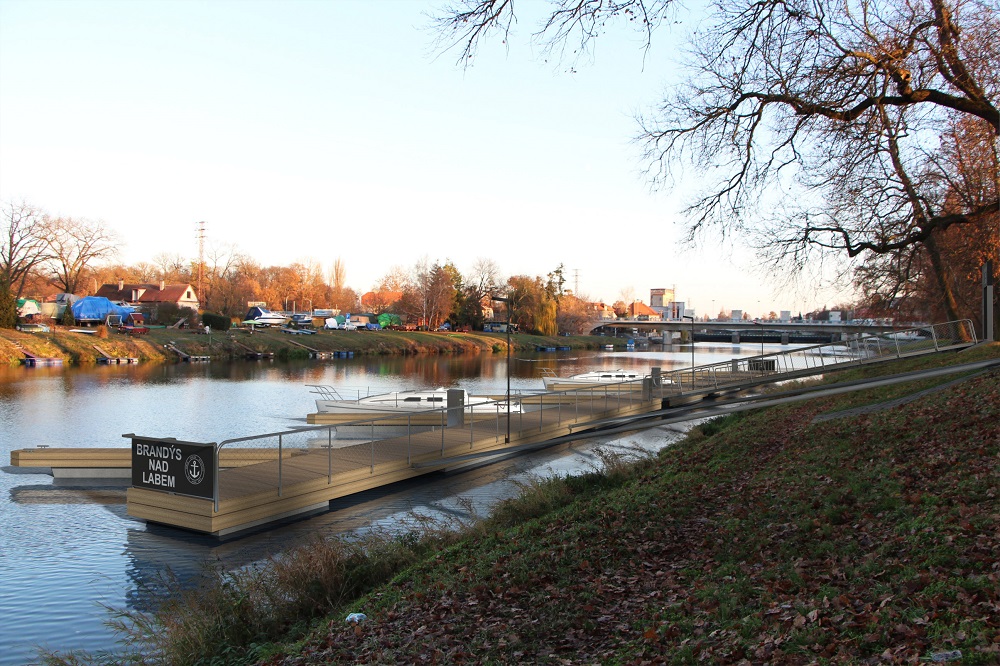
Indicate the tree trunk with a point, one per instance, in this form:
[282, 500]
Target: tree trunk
[942, 273]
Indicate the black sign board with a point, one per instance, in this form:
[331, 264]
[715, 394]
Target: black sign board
[184, 468]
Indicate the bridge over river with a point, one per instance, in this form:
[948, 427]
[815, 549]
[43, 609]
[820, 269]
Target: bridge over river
[747, 330]
[226, 487]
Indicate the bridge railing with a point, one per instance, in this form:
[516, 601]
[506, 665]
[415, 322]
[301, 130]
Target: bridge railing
[853, 351]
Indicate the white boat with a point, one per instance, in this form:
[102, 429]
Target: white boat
[551, 379]
[261, 316]
[396, 402]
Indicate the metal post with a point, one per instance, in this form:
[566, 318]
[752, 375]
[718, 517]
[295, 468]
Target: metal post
[408, 437]
[279, 465]
[215, 488]
[989, 318]
[692, 347]
[329, 455]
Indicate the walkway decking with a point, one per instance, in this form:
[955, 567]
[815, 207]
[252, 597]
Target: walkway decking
[317, 472]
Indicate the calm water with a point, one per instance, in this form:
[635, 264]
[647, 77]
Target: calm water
[68, 549]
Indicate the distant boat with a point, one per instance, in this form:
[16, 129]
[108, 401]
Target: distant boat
[551, 379]
[261, 316]
[396, 402]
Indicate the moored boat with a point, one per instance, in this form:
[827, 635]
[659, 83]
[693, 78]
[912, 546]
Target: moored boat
[552, 380]
[261, 316]
[395, 402]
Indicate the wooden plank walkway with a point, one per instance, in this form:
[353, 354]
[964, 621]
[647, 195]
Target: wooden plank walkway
[252, 495]
[184, 356]
[121, 458]
[110, 359]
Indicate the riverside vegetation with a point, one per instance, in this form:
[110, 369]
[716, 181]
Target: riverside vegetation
[78, 348]
[763, 537]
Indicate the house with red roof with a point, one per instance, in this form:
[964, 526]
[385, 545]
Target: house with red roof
[639, 310]
[149, 296]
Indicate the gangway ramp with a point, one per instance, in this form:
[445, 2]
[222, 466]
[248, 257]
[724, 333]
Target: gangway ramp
[686, 385]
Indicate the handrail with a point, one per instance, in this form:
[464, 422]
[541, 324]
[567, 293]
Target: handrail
[747, 371]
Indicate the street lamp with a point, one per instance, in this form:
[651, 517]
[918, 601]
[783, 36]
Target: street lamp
[757, 323]
[506, 301]
[692, 347]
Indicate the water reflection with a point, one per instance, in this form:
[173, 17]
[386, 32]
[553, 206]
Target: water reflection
[66, 549]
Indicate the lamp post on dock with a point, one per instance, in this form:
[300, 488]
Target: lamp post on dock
[691, 317]
[757, 323]
[506, 302]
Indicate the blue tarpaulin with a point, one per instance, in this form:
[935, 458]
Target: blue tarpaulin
[97, 308]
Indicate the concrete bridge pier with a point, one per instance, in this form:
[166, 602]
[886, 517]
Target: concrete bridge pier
[784, 338]
[736, 337]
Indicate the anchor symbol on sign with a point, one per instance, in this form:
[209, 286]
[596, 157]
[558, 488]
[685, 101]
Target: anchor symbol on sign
[194, 469]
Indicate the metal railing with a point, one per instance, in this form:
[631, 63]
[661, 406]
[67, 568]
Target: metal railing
[855, 350]
[391, 438]
[312, 452]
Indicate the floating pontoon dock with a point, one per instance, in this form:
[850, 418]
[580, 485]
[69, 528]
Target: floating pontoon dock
[230, 486]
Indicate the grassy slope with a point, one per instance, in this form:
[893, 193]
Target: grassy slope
[871, 539]
[78, 348]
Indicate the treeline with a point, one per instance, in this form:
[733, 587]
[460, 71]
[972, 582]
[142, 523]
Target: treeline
[42, 256]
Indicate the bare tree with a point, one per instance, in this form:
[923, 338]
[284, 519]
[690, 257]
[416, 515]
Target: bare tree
[173, 267]
[73, 246]
[397, 279]
[337, 276]
[829, 111]
[22, 248]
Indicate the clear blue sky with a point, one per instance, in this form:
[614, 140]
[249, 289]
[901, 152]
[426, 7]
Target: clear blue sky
[325, 129]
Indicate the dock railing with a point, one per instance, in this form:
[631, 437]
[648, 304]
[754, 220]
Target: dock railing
[807, 360]
[310, 453]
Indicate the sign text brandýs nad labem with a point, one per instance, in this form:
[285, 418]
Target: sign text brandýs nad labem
[185, 468]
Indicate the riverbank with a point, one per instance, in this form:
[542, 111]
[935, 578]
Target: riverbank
[79, 348]
[860, 528]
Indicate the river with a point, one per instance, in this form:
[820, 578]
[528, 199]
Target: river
[68, 551]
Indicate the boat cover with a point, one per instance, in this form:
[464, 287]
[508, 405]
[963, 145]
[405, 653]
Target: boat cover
[97, 308]
[387, 319]
[28, 306]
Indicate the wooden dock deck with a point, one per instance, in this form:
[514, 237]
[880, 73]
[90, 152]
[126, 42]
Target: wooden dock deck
[305, 481]
[187, 358]
[110, 359]
[112, 462]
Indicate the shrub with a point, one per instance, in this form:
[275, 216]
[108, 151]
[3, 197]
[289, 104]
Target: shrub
[218, 322]
[67, 317]
[168, 313]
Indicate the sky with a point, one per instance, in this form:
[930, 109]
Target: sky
[316, 130]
